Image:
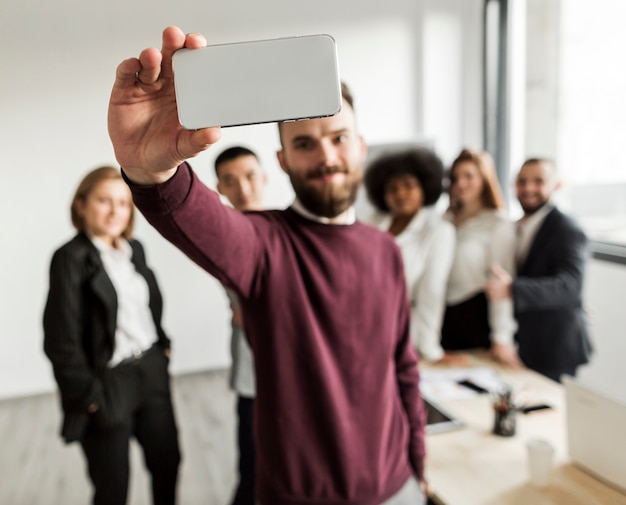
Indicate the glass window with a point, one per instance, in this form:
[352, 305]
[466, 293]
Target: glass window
[576, 106]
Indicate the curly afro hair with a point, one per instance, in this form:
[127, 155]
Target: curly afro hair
[422, 163]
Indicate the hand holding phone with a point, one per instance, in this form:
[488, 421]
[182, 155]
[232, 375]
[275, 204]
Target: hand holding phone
[257, 82]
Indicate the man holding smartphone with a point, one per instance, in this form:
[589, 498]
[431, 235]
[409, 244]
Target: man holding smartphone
[339, 417]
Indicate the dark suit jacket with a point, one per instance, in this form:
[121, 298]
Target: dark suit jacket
[547, 296]
[79, 325]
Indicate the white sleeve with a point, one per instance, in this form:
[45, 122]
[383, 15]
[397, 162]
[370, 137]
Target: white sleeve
[502, 251]
[430, 292]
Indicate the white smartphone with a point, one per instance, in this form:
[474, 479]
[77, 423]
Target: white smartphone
[255, 82]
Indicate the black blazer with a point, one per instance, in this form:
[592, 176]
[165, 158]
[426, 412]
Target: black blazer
[547, 295]
[79, 325]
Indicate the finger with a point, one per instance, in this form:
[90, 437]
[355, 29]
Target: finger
[126, 73]
[195, 41]
[496, 269]
[150, 61]
[173, 40]
[500, 272]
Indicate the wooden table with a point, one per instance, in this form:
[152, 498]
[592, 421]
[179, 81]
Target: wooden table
[473, 466]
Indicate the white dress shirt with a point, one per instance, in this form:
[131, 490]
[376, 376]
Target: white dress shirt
[526, 229]
[427, 245]
[135, 331]
[349, 216]
[482, 241]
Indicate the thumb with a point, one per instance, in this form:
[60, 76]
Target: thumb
[191, 143]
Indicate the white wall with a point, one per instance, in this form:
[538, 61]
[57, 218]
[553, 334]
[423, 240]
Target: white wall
[604, 297]
[401, 58]
[59, 61]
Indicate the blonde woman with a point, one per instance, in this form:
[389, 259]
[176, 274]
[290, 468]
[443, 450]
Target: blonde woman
[109, 353]
[485, 236]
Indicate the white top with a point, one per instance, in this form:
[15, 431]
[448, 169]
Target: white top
[427, 246]
[526, 229]
[483, 240]
[242, 378]
[135, 331]
[348, 218]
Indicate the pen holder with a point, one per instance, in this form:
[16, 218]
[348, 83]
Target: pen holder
[504, 422]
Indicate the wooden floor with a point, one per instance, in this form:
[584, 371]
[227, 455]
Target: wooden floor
[37, 468]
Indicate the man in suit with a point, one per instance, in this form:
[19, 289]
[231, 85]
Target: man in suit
[551, 253]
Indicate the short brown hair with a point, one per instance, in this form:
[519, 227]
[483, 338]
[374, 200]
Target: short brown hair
[346, 95]
[86, 186]
[492, 194]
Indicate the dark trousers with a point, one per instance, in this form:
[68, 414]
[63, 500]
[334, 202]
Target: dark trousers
[138, 403]
[244, 494]
[466, 325]
[556, 374]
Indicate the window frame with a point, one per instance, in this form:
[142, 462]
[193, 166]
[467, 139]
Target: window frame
[497, 114]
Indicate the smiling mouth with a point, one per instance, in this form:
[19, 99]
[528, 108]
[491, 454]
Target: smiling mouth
[326, 174]
[332, 177]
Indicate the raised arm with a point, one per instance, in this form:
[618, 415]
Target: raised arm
[148, 140]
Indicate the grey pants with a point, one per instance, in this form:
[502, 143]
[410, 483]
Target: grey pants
[410, 494]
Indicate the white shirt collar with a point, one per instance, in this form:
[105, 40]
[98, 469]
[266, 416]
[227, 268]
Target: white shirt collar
[417, 222]
[348, 217]
[537, 217]
[104, 248]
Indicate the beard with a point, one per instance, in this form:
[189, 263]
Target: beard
[327, 200]
[530, 209]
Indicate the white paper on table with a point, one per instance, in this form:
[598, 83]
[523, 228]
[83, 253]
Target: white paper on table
[442, 384]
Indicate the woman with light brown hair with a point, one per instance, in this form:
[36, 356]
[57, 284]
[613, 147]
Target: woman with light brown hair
[485, 236]
[109, 353]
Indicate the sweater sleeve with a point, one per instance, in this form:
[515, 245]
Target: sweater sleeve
[408, 383]
[219, 239]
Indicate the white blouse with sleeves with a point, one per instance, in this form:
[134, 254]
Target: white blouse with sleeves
[427, 245]
[483, 240]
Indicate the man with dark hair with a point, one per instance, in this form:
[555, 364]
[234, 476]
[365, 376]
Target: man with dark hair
[551, 253]
[338, 413]
[241, 179]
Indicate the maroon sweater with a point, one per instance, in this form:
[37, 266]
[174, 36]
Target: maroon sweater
[339, 418]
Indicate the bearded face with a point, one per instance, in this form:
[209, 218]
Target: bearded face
[535, 184]
[324, 160]
[326, 191]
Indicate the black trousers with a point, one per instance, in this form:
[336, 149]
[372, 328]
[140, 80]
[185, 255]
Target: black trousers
[244, 494]
[138, 403]
[466, 325]
[556, 374]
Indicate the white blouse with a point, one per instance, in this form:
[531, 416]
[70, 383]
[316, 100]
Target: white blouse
[136, 331]
[481, 241]
[427, 246]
